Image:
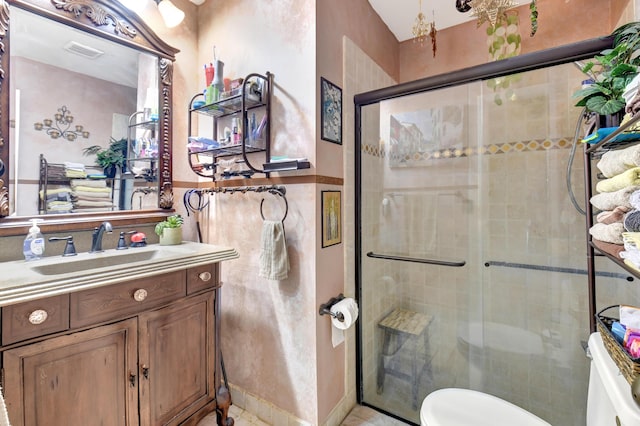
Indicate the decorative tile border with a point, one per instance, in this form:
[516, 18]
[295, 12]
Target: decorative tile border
[446, 153]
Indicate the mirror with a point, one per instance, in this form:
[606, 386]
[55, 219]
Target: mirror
[83, 76]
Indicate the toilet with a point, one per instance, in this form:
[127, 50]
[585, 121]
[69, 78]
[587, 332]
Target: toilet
[609, 398]
[464, 407]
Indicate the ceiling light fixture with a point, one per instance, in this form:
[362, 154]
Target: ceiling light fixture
[136, 5]
[171, 15]
[420, 28]
[423, 29]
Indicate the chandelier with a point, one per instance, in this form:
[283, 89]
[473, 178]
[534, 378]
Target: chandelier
[422, 29]
[62, 126]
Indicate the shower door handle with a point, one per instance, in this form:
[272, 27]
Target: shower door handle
[454, 263]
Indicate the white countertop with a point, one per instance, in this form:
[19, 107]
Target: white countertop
[21, 281]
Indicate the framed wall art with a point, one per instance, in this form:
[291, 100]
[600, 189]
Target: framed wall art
[331, 218]
[330, 111]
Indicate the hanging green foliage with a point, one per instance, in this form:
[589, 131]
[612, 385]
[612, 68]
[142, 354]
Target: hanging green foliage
[504, 41]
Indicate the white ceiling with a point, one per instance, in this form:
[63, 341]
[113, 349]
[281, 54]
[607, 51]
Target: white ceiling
[43, 40]
[33, 36]
[400, 15]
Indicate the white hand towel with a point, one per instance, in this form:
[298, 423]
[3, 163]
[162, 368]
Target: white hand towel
[274, 262]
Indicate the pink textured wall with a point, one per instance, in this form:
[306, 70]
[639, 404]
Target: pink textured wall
[278, 349]
[356, 20]
[462, 46]
[269, 327]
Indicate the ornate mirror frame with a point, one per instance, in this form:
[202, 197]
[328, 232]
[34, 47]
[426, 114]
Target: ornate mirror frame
[112, 21]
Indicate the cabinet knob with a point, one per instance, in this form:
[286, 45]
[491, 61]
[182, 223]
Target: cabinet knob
[38, 316]
[140, 295]
[205, 276]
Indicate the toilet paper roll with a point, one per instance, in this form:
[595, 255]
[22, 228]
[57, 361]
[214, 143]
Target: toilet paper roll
[349, 310]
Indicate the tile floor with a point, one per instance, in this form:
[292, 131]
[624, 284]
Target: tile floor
[359, 416]
[240, 416]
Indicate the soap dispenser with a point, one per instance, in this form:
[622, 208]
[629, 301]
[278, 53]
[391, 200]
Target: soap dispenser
[33, 247]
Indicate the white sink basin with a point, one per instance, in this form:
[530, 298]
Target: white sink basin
[23, 281]
[72, 265]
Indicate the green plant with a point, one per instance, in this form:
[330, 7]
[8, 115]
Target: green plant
[611, 72]
[174, 221]
[504, 42]
[114, 155]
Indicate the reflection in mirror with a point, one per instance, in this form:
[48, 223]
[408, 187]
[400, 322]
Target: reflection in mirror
[78, 104]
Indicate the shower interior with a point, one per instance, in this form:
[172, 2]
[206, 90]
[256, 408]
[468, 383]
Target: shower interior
[475, 179]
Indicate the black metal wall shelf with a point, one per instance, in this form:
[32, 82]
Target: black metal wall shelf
[254, 95]
[592, 152]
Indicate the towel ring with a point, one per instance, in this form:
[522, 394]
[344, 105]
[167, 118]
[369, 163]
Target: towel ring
[286, 210]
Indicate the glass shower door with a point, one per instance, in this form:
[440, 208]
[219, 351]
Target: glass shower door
[472, 256]
[419, 199]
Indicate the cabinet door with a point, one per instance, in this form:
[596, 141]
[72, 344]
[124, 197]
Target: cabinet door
[176, 360]
[79, 379]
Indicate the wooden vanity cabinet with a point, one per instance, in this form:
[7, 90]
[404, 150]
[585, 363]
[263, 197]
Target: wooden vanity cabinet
[85, 378]
[124, 367]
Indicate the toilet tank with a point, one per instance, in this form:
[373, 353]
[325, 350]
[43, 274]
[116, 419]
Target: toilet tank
[609, 392]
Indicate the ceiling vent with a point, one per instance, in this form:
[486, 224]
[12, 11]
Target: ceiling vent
[82, 50]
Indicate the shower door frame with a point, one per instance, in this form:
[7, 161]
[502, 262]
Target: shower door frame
[526, 62]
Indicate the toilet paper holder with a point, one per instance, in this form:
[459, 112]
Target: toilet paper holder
[325, 308]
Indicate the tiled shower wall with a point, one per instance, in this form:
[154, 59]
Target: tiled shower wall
[361, 74]
[495, 194]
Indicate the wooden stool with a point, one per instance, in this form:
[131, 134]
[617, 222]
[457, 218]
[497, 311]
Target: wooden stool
[403, 330]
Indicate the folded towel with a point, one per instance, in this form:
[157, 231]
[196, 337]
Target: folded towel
[274, 261]
[60, 207]
[73, 166]
[632, 254]
[632, 221]
[630, 177]
[615, 162]
[603, 132]
[608, 233]
[631, 240]
[612, 249]
[91, 189]
[88, 182]
[630, 264]
[609, 217]
[607, 201]
[99, 197]
[91, 194]
[87, 203]
[70, 173]
[55, 191]
[634, 199]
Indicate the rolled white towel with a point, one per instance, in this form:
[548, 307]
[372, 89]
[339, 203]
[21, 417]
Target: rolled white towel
[607, 201]
[634, 199]
[617, 161]
[608, 233]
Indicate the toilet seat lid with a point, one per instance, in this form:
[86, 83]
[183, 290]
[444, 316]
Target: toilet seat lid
[464, 407]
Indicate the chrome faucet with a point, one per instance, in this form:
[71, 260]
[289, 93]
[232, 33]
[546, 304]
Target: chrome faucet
[96, 243]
